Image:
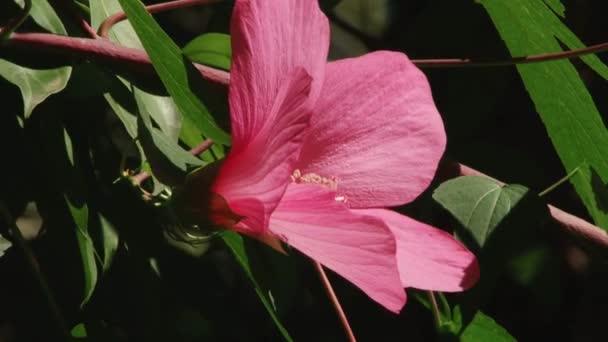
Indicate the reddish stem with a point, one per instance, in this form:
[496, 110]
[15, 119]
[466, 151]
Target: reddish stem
[110, 21]
[334, 300]
[544, 57]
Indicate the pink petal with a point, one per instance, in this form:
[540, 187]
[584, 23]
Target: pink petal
[428, 258]
[376, 129]
[253, 178]
[358, 247]
[279, 54]
[270, 39]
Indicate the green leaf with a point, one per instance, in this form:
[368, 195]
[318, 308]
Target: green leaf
[175, 72]
[484, 328]
[567, 110]
[109, 241]
[79, 330]
[161, 108]
[80, 215]
[4, 245]
[236, 244]
[36, 85]
[211, 49]
[478, 203]
[45, 16]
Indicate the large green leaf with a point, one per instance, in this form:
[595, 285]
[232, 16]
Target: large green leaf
[211, 49]
[236, 244]
[566, 108]
[484, 328]
[37, 85]
[174, 70]
[480, 204]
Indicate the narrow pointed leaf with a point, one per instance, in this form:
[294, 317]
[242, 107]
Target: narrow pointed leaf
[173, 69]
[564, 104]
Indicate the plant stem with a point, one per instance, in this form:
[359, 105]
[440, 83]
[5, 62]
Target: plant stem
[475, 63]
[334, 300]
[559, 182]
[34, 268]
[435, 309]
[110, 21]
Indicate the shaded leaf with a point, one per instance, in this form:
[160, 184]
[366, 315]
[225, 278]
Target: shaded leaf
[4, 245]
[173, 69]
[45, 16]
[109, 242]
[211, 49]
[236, 244]
[566, 108]
[79, 330]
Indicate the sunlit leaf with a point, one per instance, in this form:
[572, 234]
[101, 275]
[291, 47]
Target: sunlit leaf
[37, 85]
[567, 110]
[173, 69]
[211, 49]
[236, 244]
[484, 328]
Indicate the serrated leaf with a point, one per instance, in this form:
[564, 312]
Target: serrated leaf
[211, 49]
[37, 85]
[173, 69]
[484, 328]
[236, 244]
[478, 203]
[567, 110]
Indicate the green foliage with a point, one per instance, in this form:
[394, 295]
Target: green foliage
[35, 84]
[237, 245]
[173, 70]
[567, 109]
[211, 49]
[484, 328]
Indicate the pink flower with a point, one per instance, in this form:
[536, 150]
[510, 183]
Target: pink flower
[319, 149]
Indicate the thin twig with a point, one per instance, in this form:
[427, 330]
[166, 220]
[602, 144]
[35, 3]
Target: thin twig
[334, 300]
[475, 63]
[110, 21]
[34, 268]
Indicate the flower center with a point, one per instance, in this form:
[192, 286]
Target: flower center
[298, 177]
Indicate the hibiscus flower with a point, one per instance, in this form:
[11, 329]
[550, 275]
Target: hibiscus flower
[320, 149]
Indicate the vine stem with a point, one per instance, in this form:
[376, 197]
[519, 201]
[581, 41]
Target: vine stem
[334, 300]
[435, 308]
[13, 24]
[104, 28]
[34, 267]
